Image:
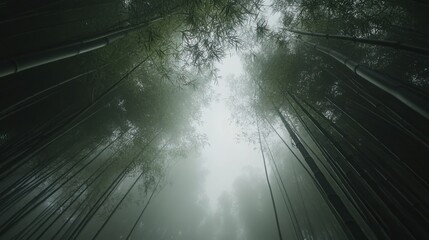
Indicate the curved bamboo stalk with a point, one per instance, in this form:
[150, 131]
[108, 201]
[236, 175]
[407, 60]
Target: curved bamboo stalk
[385, 43]
[393, 117]
[412, 99]
[70, 50]
[30, 100]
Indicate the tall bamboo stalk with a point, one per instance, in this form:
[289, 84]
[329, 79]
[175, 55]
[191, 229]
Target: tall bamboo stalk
[49, 191]
[112, 212]
[143, 210]
[385, 43]
[72, 49]
[343, 213]
[406, 95]
[401, 222]
[285, 195]
[269, 185]
[75, 233]
[75, 121]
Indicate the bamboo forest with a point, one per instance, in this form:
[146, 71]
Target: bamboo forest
[214, 119]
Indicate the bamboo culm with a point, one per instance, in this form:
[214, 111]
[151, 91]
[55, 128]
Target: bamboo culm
[269, 186]
[385, 43]
[69, 50]
[329, 192]
[412, 99]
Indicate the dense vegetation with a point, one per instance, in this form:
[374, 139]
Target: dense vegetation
[99, 98]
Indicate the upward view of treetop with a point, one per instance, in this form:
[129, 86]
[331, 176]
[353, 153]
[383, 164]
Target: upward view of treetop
[101, 99]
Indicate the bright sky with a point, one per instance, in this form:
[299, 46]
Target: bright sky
[226, 159]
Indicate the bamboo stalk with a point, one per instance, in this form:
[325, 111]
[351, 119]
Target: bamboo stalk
[269, 185]
[36, 59]
[385, 43]
[125, 195]
[344, 214]
[412, 99]
[285, 195]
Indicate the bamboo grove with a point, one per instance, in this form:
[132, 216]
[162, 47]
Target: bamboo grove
[99, 100]
[359, 141]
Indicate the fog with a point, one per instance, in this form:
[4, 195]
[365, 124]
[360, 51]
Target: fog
[214, 120]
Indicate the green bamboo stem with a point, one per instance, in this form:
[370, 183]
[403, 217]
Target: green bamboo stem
[410, 98]
[385, 43]
[269, 186]
[285, 195]
[36, 59]
[345, 216]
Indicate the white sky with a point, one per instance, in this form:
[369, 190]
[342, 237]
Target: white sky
[225, 159]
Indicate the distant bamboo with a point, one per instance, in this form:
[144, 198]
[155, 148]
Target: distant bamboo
[269, 186]
[143, 210]
[112, 212]
[290, 149]
[385, 43]
[99, 203]
[412, 99]
[303, 200]
[285, 195]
